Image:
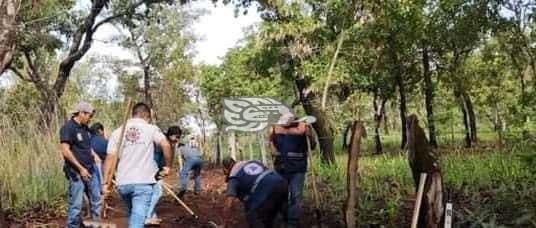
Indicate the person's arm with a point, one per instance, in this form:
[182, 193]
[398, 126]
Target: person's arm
[227, 208]
[166, 150]
[230, 200]
[109, 164]
[68, 155]
[161, 139]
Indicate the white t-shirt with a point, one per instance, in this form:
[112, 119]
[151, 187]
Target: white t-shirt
[136, 161]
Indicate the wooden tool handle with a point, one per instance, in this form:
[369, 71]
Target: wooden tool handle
[168, 188]
[417, 208]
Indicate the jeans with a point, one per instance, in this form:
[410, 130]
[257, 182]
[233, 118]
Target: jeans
[295, 197]
[266, 213]
[137, 197]
[157, 193]
[77, 188]
[191, 164]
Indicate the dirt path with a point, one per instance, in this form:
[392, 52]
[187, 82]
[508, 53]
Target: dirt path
[208, 206]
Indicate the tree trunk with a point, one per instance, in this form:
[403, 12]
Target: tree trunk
[429, 96]
[472, 117]
[232, 145]
[325, 135]
[218, 147]
[402, 107]
[147, 86]
[378, 112]
[421, 160]
[3, 222]
[321, 126]
[385, 120]
[263, 148]
[9, 9]
[352, 174]
[466, 120]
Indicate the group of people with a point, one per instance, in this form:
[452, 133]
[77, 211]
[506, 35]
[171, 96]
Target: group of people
[145, 157]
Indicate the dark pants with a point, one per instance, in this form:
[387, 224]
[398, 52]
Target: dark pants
[266, 213]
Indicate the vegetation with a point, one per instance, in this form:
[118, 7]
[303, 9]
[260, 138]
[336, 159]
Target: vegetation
[467, 69]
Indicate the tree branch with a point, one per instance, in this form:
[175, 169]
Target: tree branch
[113, 17]
[19, 74]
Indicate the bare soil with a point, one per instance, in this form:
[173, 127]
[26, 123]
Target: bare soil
[208, 206]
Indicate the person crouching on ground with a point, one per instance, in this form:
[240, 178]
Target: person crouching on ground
[79, 165]
[173, 135]
[136, 167]
[192, 163]
[263, 192]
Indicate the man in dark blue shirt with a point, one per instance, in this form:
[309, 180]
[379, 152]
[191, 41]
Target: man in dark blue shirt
[263, 192]
[80, 164]
[99, 144]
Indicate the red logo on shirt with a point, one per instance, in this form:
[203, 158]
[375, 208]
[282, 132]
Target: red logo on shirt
[132, 135]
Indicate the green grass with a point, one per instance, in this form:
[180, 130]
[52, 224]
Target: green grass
[30, 169]
[492, 188]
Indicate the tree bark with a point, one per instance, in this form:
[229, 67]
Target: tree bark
[263, 148]
[9, 9]
[378, 116]
[466, 107]
[385, 120]
[421, 160]
[402, 106]
[321, 126]
[232, 145]
[429, 95]
[218, 147]
[352, 174]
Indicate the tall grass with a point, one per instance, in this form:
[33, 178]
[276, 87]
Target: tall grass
[495, 187]
[30, 168]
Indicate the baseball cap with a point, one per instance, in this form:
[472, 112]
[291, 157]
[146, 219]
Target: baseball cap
[83, 107]
[286, 118]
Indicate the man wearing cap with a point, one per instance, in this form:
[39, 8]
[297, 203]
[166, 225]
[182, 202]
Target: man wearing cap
[79, 165]
[263, 192]
[288, 140]
[136, 168]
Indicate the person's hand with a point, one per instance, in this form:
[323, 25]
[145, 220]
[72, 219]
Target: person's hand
[164, 172]
[97, 159]
[84, 174]
[106, 190]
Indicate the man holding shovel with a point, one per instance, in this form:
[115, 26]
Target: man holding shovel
[288, 140]
[79, 167]
[136, 167]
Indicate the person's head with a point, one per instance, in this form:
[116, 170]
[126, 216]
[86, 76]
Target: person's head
[228, 164]
[97, 129]
[142, 110]
[193, 142]
[83, 112]
[173, 134]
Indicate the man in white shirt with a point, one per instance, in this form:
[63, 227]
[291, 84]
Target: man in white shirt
[136, 169]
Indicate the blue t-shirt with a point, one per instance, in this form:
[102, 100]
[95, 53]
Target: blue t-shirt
[78, 138]
[99, 144]
[159, 156]
[261, 193]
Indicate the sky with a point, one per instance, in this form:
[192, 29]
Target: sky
[218, 31]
